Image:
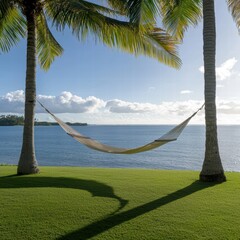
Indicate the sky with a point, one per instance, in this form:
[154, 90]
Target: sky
[99, 85]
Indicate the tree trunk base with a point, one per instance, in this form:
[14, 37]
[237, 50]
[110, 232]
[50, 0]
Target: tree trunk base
[25, 171]
[219, 178]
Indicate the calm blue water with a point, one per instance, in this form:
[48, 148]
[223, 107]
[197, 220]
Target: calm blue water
[55, 147]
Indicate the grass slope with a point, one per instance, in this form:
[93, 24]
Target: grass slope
[82, 203]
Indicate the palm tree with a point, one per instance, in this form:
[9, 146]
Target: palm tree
[177, 16]
[212, 169]
[30, 18]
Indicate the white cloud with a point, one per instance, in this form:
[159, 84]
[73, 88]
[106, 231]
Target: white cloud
[228, 107]
[68, 102]
[225, 70]
[186, 92]
[220, 86]
[12, 102]
[97, 111]
[119, 106]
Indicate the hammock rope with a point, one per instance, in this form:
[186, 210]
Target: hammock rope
[172, 135]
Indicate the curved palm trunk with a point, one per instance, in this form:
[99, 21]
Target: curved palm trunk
[27, 163]
[212, 169]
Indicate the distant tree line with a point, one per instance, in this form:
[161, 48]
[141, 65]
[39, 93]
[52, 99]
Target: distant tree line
[13, 120]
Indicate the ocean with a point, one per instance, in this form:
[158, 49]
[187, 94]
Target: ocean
[55, 148]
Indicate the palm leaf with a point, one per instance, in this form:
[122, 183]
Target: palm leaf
[234, 7]
[60, 8]
[164, 47]
[12, 26]
[47, 46]
[96, 7]
[116, 33]
[179, 14]
[119, 5]
[142, 11]
[153, 42]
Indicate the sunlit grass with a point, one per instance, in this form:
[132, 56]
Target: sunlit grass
[82, 203]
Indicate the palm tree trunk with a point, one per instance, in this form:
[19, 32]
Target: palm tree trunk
[212, 169]
[27, 163]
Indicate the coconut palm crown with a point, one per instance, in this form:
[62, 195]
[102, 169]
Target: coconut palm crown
[110, 23]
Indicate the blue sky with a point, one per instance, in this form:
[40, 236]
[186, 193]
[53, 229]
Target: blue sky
[93, 83]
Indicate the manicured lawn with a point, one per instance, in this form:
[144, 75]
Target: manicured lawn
[83, 203]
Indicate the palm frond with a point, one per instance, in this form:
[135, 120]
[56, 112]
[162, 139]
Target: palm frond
[79, 4]
[119, 5]
[147, 40]
[81, 19]
[12, 25]
[115, 33]
[47, 46]
[179, 14]
[153, 42]
[142, 11]
[234, 7]
[96, 7]
[164, 47]
[4, 6]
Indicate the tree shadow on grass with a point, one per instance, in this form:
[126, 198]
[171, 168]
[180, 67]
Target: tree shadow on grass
[111, 221]
[97, 189]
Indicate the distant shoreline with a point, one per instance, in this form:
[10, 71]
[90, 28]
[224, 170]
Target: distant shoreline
[46, 124]
[56, 124]
[15, 120]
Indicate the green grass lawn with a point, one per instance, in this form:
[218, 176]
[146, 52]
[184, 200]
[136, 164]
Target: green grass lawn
[83, 203]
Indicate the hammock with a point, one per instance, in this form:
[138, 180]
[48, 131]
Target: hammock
[172, 135]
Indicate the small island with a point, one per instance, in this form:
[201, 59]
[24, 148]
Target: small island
[14, 120]
[55, 124]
